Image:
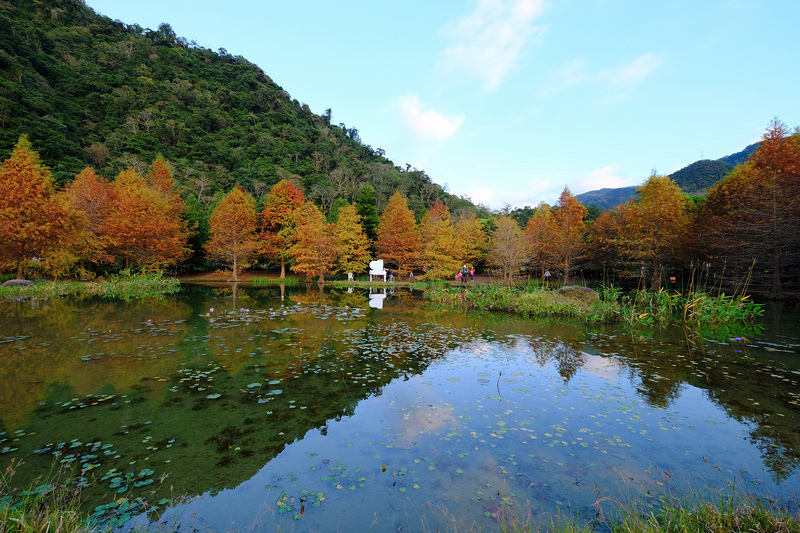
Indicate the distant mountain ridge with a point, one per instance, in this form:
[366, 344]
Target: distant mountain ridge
[695, 178]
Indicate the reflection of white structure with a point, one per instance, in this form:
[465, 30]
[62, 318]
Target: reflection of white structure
[376, 269]
[376, 299]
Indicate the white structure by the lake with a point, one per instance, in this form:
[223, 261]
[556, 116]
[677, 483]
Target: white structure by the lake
[376, 269]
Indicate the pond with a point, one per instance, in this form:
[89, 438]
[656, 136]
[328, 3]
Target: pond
[256, 408]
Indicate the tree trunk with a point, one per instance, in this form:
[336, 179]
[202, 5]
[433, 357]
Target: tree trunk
[775, 291]
[656, 277]
[283, 268]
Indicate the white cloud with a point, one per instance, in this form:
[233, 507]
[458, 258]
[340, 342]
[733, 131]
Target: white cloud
[602, 178]
[426, 124]
[575, 73]
[489, 41]
[481, 195]
[634, 72]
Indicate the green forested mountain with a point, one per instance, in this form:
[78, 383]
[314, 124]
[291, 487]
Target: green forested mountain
[607, 198]
[740, 157]
[700, 175]
[692, 179]
[92, 91]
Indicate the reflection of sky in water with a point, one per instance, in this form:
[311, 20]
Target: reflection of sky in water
[492, 423]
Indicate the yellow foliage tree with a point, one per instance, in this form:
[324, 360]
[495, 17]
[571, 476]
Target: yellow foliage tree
[508, 250]
[442, 253]
[470, 238]
[351, 240]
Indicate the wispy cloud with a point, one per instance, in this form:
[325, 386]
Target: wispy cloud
[571, 74]
[425, 123]
[626, 76]
[601, 178]
[489, 41]
[634, 72]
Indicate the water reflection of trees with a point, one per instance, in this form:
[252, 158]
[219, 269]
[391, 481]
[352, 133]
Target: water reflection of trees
[84, 345]
[216, 393]
[759, 395]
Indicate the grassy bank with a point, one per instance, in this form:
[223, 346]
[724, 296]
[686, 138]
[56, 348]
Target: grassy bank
[124, 286]
[263, 281]
[529, 301]
[54, 504]
[696, 309]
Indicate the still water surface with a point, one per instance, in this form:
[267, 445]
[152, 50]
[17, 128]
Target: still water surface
[219, 410]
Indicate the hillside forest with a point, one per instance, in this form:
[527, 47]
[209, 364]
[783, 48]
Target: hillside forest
[127, 147]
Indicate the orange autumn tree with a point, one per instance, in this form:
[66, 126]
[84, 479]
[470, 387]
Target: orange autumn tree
[539, 235]
[35, 221]
[603, 239]
[351, 240]
[398, 238]
[233, 226]
[160, 179]
[653, 226]
[314, 245]
[93, 196]
[282, 207]
[569, 229]
[442, 254]
[143, 226]
[751, 216]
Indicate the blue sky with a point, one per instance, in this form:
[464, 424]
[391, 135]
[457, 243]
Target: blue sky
[509, 101]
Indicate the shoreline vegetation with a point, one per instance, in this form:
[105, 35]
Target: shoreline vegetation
[694, 308]
[124, 285]
[55, 504]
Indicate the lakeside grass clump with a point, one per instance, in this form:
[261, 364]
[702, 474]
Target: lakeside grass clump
[726, 514]
[264, 281]
[51, 504]
[529, 301]
[696, 309]
[124, 285]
